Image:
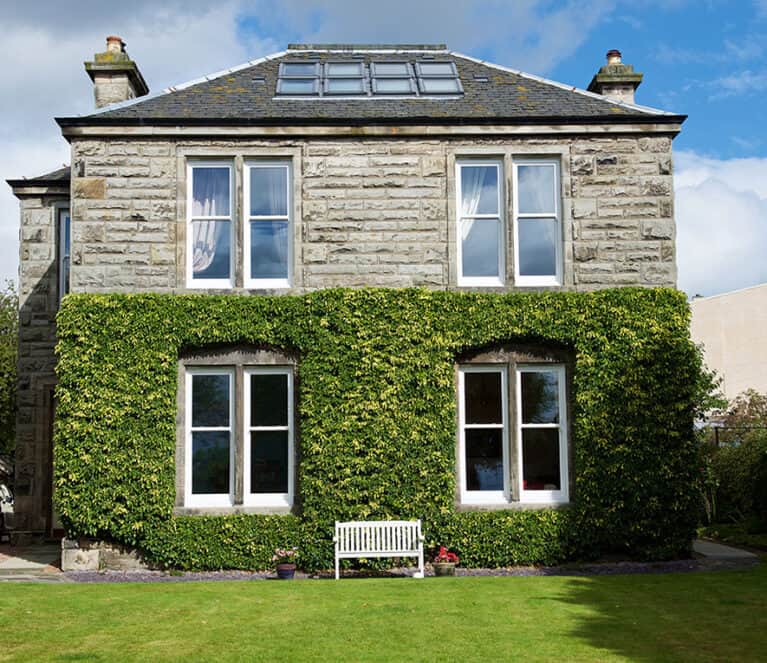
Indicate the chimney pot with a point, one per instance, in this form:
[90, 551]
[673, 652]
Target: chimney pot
[115, 44]
[115, 76]
[615, 80]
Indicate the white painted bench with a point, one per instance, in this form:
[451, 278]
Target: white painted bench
[379, 538]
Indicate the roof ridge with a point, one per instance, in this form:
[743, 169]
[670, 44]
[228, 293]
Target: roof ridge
[569, 88]
[366, 47]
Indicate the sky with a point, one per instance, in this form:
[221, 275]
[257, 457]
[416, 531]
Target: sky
[703, 58]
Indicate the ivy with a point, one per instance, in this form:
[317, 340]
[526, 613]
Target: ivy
[376, 414]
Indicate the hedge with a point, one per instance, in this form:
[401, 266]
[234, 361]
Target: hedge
[377, 412]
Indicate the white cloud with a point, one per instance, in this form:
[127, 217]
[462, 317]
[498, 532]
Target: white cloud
[721, 214]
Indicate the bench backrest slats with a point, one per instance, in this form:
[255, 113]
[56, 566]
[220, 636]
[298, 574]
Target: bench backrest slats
[384, 536]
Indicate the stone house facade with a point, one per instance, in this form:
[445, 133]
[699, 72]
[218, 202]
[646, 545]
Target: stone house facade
[338, 166]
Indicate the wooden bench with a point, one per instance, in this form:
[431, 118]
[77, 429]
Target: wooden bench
[379, 538]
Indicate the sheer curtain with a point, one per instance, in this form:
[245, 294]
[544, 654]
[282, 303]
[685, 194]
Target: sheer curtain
[211, 198]
[472, 182]
[269, 197]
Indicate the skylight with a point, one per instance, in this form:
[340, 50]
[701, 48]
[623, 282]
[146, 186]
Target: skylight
[356, 78]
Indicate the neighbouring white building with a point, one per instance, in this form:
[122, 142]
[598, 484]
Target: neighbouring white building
[733, 330]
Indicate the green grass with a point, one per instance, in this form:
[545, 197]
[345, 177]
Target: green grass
[677, 617]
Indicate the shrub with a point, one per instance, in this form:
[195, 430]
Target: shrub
[377, 408]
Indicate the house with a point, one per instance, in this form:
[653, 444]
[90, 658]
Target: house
[489, 381]
[730, 327]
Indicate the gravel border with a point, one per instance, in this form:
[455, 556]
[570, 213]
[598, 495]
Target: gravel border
[592, 569]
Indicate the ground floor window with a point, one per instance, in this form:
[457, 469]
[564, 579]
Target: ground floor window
[513, 433]
[238, 446]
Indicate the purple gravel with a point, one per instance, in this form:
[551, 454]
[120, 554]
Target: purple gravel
[594, 569]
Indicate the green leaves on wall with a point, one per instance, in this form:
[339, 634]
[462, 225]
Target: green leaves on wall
[377, 420]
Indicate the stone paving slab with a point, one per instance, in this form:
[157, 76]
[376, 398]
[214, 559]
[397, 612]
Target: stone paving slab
[29, 560]
[712, 550]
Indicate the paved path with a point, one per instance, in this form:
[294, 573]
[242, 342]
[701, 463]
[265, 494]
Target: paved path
[718, 551]
[34, 563]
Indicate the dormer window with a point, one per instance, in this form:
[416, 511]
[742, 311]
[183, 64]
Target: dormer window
[392, 78]
[345, 78]
[438, 78]
[299, 78]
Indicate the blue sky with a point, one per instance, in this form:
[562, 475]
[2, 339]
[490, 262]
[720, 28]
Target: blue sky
[703, 58]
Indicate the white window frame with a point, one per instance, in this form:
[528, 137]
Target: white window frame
[207, 500]
[191, 282]
[562, 495]
[481, 281]
[247, 218]
[479, 497]
[63, 213]
[267, 499]
[547, 280]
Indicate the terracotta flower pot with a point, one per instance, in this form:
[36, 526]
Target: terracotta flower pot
[444, 568]
[286, 571]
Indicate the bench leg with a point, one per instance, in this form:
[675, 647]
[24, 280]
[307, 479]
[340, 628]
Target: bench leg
[338, 575]
[420, 572]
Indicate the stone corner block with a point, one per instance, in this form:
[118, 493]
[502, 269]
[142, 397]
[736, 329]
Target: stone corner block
[77, 557]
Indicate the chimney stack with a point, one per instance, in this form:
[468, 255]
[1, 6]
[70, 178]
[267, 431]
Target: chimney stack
[115, 76]
[616, 80]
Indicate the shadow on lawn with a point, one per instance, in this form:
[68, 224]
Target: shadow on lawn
[715, 616]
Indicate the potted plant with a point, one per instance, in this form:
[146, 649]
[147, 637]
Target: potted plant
[444, 562]
[286, 567]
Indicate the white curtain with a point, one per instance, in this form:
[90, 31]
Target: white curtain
[271, 189]
[209, 197]
[472, 182]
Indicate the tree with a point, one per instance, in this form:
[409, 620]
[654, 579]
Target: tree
[9, 334]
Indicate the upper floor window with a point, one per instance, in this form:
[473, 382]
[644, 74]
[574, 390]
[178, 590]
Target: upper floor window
[513, 435]
[536, 228]
[479, 186]
[537, 223]
[64, 249]
[210, 232]
[267, 254]
[221, 227]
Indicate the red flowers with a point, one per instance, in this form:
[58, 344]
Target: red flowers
[444, 555]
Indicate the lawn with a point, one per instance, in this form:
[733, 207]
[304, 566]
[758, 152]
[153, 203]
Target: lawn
[677, 617]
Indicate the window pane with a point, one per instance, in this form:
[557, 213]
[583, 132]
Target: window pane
[540, 459]
[479, 190]
[269, 191]
[299, 69]
[540, 397]
[269, 249]
[210, 462]
[537, 189]
[391, 69]
[269, 462]
[484, 459]
[439, 85]
[297, 86]
[482, 393]
[348, 85]
[269, 399]
[344, 69]
[211, 249]
[436, 68]
[210, 191]
[479, 248]
[210, 400]
[393, 85]
[538, 247]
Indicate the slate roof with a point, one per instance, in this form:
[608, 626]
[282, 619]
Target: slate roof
[246, 95]
[58, 177]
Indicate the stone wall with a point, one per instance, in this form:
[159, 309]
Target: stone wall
[376, 212]
[38, 304]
